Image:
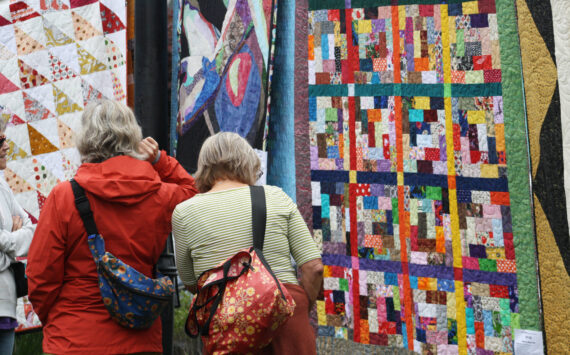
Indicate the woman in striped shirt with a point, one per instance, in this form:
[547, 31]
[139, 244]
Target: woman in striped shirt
[214, 225]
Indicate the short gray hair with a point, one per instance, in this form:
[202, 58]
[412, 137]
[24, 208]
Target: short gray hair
[109, 128]
[226, 155]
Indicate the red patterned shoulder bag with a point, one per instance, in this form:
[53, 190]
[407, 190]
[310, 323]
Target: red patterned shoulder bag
[240, 303]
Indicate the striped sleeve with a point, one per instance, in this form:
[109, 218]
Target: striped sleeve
[180, 232]
[302, 245]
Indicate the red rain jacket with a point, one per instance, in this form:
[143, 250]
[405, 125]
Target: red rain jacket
[132, 203]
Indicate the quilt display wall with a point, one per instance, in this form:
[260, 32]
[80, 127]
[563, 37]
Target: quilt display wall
[55, 57]
[418, 174]
[225, 51]
[544, 29]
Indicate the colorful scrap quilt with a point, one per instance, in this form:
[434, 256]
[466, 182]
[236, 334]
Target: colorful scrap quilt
[419, 174]
[225, 50]
[55, 57]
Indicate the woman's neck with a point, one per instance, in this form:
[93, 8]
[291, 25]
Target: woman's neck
[222, 185]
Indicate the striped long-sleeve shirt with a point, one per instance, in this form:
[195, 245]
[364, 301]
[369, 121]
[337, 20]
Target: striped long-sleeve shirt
[211, 227]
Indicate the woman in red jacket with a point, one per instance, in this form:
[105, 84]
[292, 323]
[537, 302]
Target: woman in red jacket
[133, 189]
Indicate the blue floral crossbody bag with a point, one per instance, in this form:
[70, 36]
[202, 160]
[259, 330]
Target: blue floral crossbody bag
[132, 299]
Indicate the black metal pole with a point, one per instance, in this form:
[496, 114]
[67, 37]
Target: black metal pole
[151, 69]
[152, 110]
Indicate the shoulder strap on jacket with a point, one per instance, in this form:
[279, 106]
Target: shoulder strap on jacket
[84, 208]
[259, 215]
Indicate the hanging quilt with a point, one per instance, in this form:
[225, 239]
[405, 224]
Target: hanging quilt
[418, 174]
[223, 77]
[545, 49]
[55, 57]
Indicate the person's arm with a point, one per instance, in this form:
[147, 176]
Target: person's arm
[16, 243]
[180, 232]
[304, 251]
[312, 278]
[16, 240]
[169, 169]
[46, 258]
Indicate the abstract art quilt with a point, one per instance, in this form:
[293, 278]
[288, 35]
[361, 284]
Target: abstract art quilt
[419, 174]
[55, 57]
[225, 50]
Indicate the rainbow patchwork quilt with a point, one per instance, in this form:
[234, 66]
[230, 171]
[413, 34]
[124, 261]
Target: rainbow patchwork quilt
[419, 174]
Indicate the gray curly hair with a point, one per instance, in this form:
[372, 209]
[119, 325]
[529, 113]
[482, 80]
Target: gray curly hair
[109, 128]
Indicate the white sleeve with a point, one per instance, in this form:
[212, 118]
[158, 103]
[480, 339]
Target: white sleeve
[17, 243]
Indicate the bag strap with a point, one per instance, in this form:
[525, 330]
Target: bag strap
[259, 219]
[259, 216]
[84, 208]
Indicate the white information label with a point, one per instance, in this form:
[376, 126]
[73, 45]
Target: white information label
[528, 342]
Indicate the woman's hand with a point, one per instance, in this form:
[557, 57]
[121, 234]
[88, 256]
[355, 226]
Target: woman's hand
[16, 223]
[149, 147]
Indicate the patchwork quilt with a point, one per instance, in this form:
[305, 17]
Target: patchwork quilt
[55, 57]
[545, 48]
[419, 174]
[225, 50]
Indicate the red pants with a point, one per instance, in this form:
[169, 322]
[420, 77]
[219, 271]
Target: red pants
[296, 336]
